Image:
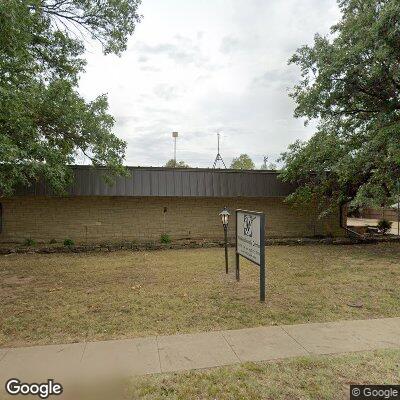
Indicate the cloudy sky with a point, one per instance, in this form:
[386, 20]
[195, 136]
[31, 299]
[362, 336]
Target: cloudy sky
[199, 67]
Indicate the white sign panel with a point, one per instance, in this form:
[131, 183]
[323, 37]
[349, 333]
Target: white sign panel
[248, 236]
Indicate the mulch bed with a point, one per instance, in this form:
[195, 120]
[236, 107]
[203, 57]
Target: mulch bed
[184, 244]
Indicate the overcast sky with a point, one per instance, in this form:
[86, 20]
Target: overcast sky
[198, 67]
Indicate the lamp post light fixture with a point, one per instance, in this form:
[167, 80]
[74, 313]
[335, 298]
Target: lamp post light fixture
[224, 214]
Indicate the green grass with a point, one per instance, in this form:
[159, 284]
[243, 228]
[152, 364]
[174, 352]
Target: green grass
[305, 378]
[60, 298]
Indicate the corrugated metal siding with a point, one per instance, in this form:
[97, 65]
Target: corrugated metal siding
[169, 182]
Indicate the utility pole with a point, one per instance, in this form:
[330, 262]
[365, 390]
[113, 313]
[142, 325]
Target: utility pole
[265, 162]
[398, 207]
[174, 135]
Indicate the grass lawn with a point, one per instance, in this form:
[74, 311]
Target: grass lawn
[60, 298]
[307, 378]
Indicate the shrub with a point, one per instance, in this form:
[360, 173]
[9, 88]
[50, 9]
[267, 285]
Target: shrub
[384, 225]
[69, 242]
[29, 242]
[53, 241]
[165, 238]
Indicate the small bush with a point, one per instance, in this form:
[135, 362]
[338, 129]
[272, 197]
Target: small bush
[69, 242]
[53, 241]
[384, 225]
[165, 238]
[29, 242]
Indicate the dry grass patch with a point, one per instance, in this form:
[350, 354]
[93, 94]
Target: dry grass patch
[58, 298]
[305, 378]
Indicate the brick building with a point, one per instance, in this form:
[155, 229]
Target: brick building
[183, 203]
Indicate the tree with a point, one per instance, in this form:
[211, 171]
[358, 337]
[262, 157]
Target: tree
[351, 85]
[242, 162]
[176, 164]
[44, 122]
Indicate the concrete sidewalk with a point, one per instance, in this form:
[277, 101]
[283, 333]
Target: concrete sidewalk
[201, 350]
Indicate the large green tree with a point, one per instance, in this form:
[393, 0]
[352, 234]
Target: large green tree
[242, 162]
[351, 85]
[44, 122]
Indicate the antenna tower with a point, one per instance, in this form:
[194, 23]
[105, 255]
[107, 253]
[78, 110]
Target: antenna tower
[218, 158]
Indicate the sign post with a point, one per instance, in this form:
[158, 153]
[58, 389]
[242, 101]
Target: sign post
[250, 242]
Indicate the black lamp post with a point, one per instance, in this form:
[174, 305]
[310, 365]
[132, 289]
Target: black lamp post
[224, 214]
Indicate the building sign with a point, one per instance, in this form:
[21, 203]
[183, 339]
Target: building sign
[249, 235]
[250, 242]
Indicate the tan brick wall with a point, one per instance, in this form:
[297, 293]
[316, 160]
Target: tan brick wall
[96, 219]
